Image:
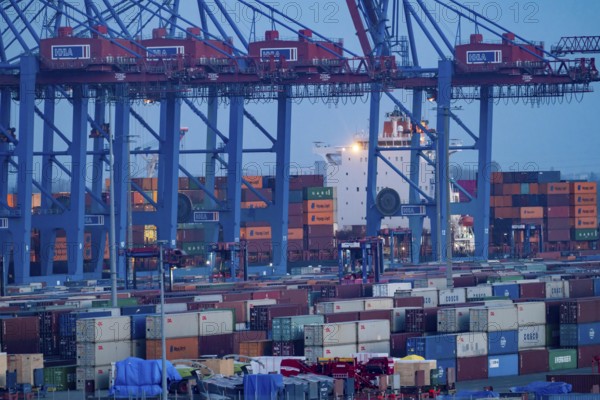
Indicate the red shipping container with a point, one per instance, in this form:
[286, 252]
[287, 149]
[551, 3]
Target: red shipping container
[471, 368]
[235, 296]
[239, 308]
[580, 311]
[464, 281]
[375, 314]
[585, 355]
[294, 209]
[266, 294]
[581, 288]
[558, 212]
[533, 290]
[416, 301]
[21, 335]
[561, 235]
[295, 296]
[533, 361]
[421, 319]
[558, 223]
[558, 200]
[295, 221]
[398, 343]
[341, 317]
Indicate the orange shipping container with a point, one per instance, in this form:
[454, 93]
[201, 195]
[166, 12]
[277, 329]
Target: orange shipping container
[586, 223]
[318, 206]
[256, 232]
[319, 218]
[11, 199]
[177, 348]
[584, 187]
[531, 212]
[584, 199]
[534, 188]
[36, 200]
[256, 181]
[557, 188]
[584, 211]
[256, 348]
[506, 212]
[496, 177]
[295, 233]
[253, 204]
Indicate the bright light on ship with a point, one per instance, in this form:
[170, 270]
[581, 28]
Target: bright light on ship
[355, 147]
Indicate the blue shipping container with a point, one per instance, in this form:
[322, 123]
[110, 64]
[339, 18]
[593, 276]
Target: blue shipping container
[443, 365]
[503, 342]
[503, 365]
[579, 334]
[596, 286]
[432, 347]
[510, 290]
[138, 326]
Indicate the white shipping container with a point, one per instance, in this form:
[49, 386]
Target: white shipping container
[399, 319]
[328, 307]
[330, 334]
[430, 296]
[491, 319]
[381, 303]
[103, 329]
[91, 354]
[388, 289]
[532, 336]
[176, 325]
[555, 290]
[114, 311]
[373, 330]
[471, 344]
[215, 322]
[452, 320]
[479, 292]
[531, 313]
[99, 374]
[173, 308]
[438, 283]
[382, 346]
[566, 289]
[258, 302]
[213, 298]
[452, 296]
[312, 353]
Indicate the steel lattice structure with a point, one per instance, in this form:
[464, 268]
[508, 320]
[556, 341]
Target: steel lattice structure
[96, 56]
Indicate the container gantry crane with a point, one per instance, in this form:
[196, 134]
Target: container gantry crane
[97, 67]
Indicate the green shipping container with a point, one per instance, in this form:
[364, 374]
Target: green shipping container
[552, 335]
[194, 248]
[584, 234]
[524, 188]
[562, 359]
[124, 302]
[318, 193]
[61, 378]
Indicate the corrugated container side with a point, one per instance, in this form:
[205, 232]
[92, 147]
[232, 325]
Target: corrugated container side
[584, 358]
[330, 334]
[99, 375]
[479, 292]
[452, 320]
[533, 361]
[510, 290]
[388, 289]
[398, 343]
[432, 347]
[471, 368]
[373, 331]
[339, 306]
[452, 296]
[102, 353]
[398, 323]
[579, 334]
[489, 319]
[503, 365]
[103, 329]
[532, 336]
[562, 359]
[531, 313]
[379, 304]
[430, 296]
[382, 346]
[177, 348]
[312, 353]
[176, 325]
[472, 344]
[554, 290]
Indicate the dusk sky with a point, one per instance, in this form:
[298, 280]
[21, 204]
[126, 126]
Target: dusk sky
[563, 136]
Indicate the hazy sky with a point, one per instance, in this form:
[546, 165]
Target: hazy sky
[564, 136]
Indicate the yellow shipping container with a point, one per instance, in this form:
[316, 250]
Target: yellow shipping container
[532, 212]
[319, 218]
[255, 232]
[295, 233]
[256, 181]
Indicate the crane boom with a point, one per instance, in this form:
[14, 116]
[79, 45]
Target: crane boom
[577, 44]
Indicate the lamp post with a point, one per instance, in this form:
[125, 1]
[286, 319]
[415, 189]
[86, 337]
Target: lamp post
[163, 341]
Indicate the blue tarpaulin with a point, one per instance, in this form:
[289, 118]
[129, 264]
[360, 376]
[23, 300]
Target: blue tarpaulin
[135, 376]
[470, 394]
[541, 388]
[262, 387]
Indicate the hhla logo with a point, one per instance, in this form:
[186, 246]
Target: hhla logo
[592, 333]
